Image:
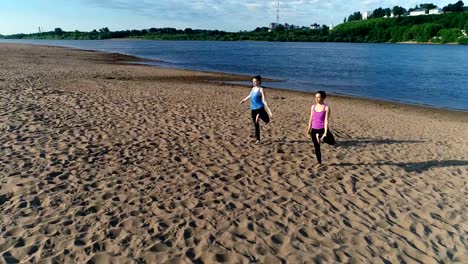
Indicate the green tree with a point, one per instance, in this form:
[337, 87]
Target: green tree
[279, 28]
[427, 6]
[416, 7]
[457, 7]
[378, 35]
[398, 11]
[261, 29]
[355, 16]
[58, 31]
[430, 30]
[423, 6]
[388, 12]
[449, 35]
[377, 13]
[425, 32]
[408, 34]
[396, 34]
[463, 40]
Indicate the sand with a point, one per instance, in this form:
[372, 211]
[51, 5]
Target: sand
[102, 161]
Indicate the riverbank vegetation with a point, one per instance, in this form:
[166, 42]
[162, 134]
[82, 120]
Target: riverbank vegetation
[380, 27]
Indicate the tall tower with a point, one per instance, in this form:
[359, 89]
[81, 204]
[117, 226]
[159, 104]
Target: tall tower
[277, 13]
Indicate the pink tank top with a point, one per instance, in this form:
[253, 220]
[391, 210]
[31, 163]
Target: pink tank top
[318, 121]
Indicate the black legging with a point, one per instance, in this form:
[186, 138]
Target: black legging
[263, 115]
[316, 143]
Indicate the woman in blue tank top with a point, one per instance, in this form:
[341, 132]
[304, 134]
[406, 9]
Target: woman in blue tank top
[258, 105]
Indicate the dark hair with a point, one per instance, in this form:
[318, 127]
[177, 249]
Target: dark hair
[259, 78]
[322, 94]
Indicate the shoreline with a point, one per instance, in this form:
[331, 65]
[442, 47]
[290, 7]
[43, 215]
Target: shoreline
[426, 43]
[241, 77]
[142, 39]
[104, 161]
[367, 99]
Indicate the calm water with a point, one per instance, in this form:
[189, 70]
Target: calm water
[434, 75]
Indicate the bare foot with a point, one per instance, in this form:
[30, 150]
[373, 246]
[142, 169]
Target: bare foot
[257, 142]
[318, 166]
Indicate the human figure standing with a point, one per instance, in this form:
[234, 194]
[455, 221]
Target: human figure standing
[318, 123]
[258, 105]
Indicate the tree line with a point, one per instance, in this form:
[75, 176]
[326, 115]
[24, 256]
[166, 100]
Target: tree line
[167, 33]
[441, 28]
[400, 11]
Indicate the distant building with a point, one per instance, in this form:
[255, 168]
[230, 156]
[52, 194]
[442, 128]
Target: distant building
[285, 25]
[418, 12]
[315, 26]
[366, 15]
[435, 11]
[273, 26]
[290, 27]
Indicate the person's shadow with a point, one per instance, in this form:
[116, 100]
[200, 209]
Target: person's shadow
[354, 142]
[411, 166]
[407, 166]
[364, 141]
[291, 141]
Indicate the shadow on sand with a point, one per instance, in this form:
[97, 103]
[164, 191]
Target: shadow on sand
[412, 166]
[355, 142]
[365, 141]
[292, 141]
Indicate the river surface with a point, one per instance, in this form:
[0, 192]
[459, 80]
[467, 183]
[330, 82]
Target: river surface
[432, 75]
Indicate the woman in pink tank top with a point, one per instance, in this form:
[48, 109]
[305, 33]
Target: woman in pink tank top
[318, 123]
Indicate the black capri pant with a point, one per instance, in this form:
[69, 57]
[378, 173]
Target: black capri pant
[316, 143]
[263, 116]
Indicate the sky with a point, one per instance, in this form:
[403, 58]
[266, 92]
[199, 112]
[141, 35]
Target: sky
[25, 16]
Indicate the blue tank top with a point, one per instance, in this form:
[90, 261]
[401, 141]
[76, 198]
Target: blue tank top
[256, 99]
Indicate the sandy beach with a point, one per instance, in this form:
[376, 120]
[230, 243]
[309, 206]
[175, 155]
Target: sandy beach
[102, 161]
